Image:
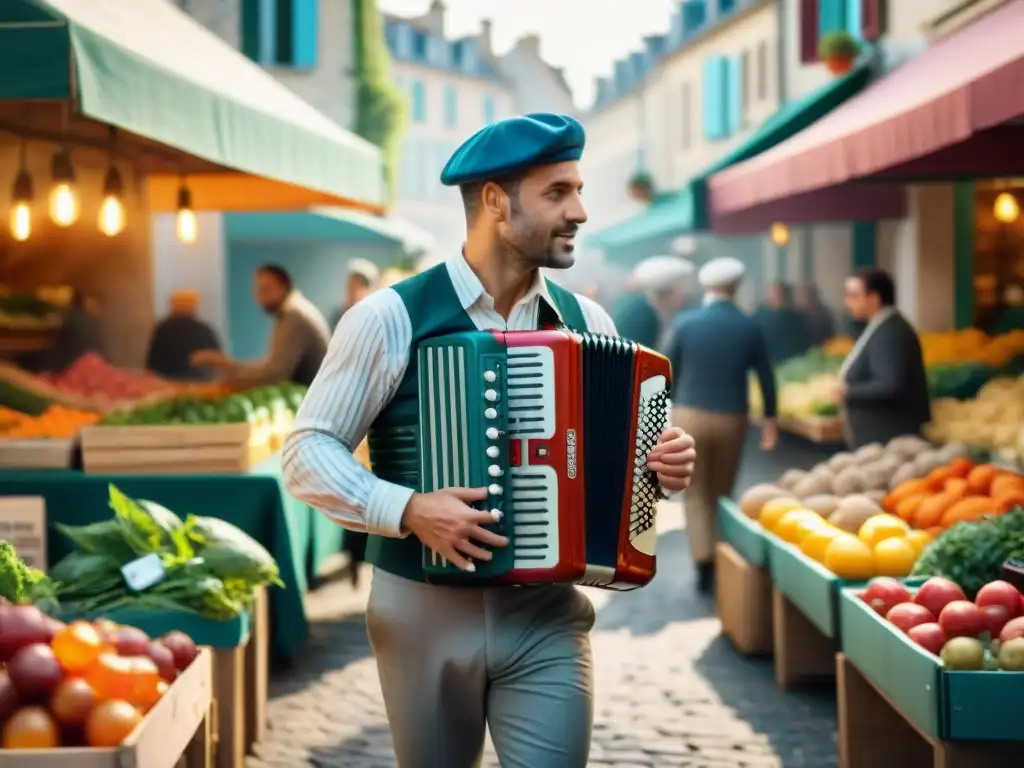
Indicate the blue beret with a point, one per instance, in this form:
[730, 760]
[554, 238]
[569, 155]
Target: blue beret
[515, 145]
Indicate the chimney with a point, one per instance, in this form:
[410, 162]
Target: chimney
[486, 43]
[530, 44]
[433, 19]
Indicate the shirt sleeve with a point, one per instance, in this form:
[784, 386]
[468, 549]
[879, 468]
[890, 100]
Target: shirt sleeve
[365, 362]
[286, 348]
[598, 320]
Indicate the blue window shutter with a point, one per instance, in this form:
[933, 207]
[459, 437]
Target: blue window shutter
[451, 106]
[304, 33]
[831, 16]
[418, 97]
[266, 25]
[714, 93]
[488, 110]
[734, 96]
[854, 18]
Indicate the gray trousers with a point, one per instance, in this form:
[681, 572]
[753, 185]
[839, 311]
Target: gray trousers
[453, 661]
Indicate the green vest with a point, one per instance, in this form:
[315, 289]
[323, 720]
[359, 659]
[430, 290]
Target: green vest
[434, 310]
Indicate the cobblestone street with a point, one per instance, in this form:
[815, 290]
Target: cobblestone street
[670, 690]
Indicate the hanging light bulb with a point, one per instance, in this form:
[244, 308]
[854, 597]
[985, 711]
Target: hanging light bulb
[112, 217]
[1006, 208]
[186, 225]
[780, 233]
[64, 206]
[21, 207]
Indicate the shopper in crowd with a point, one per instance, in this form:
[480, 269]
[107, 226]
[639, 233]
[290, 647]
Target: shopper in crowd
[783, 327]
[883, 385]
[177, 337]
[362, 279]
[299, 340]
[817, 317]
[713, 350]
[657, 290]
[79, 333]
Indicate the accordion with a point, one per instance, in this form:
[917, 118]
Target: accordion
[557, 425]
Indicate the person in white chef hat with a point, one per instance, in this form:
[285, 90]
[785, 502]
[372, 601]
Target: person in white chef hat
[658, 291]
[713, 349]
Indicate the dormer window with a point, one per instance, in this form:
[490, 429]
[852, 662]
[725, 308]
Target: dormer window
[419, 45]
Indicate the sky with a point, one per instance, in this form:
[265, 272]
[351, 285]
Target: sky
[583, 36]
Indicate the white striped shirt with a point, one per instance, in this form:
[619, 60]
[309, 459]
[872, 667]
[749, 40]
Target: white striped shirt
[365, 363]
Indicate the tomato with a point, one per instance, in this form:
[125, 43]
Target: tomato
[110, 723]
[77, 646]
[938, 592]
[145, 681]
[1013, 629]
[1000, 593]
[31, 728]
[908, 615]
[884, 593]
[111, 677]
[72, 702]
[995, 619]
[962, 618]
[929, 636]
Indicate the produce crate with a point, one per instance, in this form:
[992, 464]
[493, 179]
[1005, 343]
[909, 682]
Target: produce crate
[36, 454]
[953, 706]
[746, 536]
[817, 429]
[872, 731]
[808, 585]
[257, 669]
[175, 732]
[744, 596]
[228, 641]
[177, 448]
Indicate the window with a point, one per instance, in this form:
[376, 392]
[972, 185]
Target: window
[457, 55]
[714, 98]
[418, 101]
[451, 107]
[280, 32]
[419, 45]
[746, 79]
[735, 88]
[686, 117]
[762, 70]
[488, 110]
[862, 18]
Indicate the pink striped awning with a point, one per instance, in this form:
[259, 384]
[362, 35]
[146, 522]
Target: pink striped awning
[965, 84]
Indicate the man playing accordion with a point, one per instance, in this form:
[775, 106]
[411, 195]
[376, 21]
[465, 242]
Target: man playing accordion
[455, 659]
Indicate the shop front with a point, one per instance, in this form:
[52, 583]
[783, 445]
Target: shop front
[111, 112]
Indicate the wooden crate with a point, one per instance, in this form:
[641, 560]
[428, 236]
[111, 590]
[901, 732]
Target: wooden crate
[744, 596]
[872, 732]
[184, 448]
[36, 454]
[803, 653]
[257, 672]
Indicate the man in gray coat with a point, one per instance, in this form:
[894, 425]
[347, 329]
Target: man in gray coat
[883, 387]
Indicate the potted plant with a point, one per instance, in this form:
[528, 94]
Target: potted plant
[838, 50]
[641, 186]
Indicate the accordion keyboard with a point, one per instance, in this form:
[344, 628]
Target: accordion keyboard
[534, 488]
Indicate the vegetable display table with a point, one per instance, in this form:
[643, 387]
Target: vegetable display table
[255, 502]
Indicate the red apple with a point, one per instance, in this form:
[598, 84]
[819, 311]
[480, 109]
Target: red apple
[962, 618]
[884, 593]
[936, 593]
[1013, 629]
[907, 615]
[929, 636]
[995, 619]
[1000, 593]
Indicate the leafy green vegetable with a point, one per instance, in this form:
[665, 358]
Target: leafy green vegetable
[19, 582]
[232, 553]
[103, 538]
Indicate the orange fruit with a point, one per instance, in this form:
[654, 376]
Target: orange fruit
[773, 511]
[895, 557]
[817, 541]
[881, 527]
[849, 558]
[920, 540]
[789, 526]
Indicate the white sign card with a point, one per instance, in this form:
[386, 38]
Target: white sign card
[23, 524]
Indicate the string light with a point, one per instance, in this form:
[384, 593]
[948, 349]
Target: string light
[21, 201]
[112, 218]
[186, 224]
[64, 204]
[1006, 208]
[780, 233]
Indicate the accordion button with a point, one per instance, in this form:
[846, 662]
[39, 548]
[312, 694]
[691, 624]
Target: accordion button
[490, 413]
[495, 490]
[495, 471]
[491, 396]
[490, 376]
[493, 452]
[492, 433]
[497, 514]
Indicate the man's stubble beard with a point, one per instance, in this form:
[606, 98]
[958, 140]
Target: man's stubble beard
[533, 249]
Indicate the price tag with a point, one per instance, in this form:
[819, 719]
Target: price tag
[143, 573]
[23, 524]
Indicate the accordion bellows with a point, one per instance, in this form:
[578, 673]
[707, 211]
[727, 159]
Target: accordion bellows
[557, 425]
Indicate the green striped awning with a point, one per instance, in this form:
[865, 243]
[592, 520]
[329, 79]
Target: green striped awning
[148, 68]
[686, 210]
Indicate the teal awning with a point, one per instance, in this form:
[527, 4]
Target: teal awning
[686, 210]
[148, 68]
[339, 225]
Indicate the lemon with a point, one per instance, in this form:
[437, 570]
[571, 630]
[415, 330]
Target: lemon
[920, 540]
[772, 512]
[881, 527]
[895, 557]
[789, 527]
[849, 558]
[817, 541]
